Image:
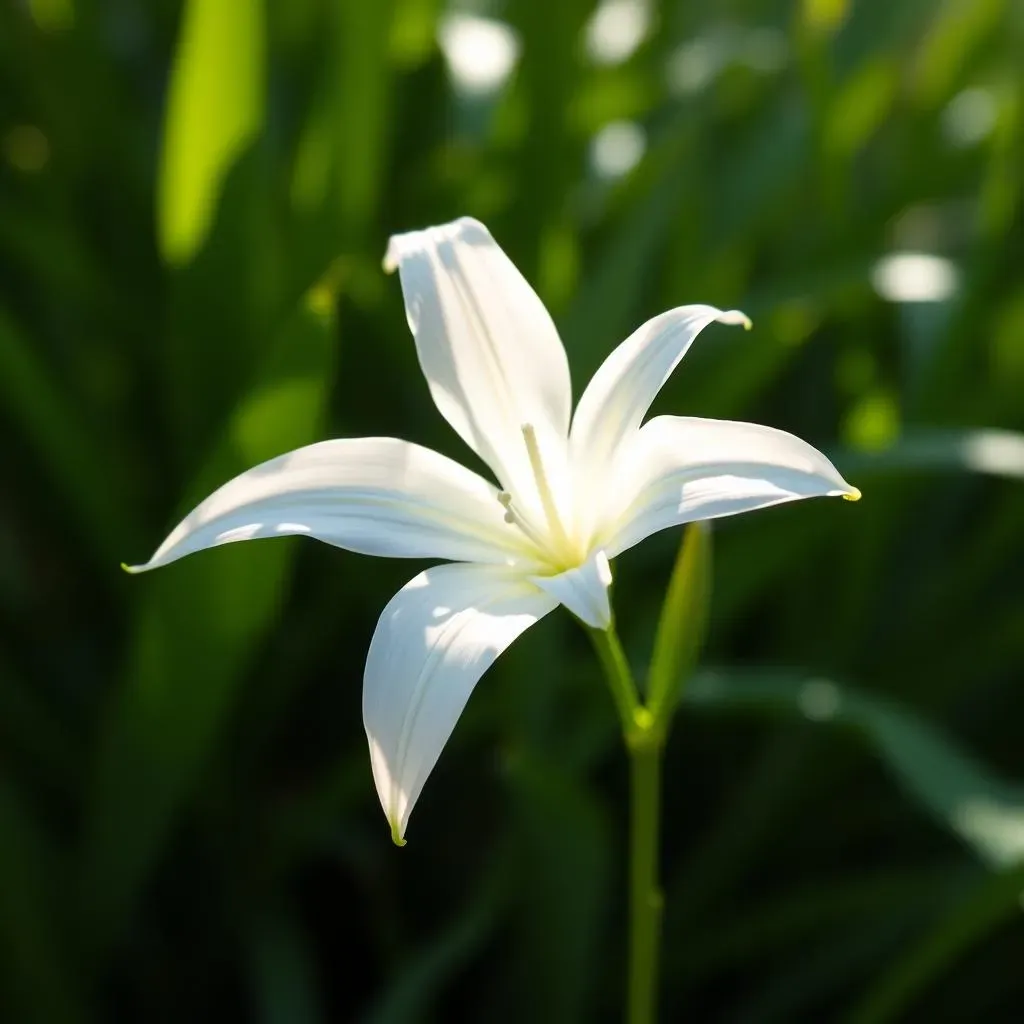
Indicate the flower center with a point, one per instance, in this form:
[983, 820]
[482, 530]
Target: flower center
[557, 541]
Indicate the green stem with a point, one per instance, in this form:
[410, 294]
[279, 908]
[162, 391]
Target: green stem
[645, 894]
[620, 679]
[644, 738]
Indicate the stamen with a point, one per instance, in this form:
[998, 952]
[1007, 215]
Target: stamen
[513, 518]
[547, 499]
[505, 500]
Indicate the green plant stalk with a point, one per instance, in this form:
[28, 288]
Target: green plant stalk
[644, 736]
[645, 891]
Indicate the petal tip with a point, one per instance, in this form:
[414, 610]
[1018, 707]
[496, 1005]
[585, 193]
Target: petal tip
[853, 494]
[396, 833]
[583, 590]
[737, 318]
[132, 570]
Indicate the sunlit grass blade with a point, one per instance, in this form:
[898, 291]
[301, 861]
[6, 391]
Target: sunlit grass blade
[215, 108]
[340, 168]
[683, 622]
[548, 152]
[361, 95]
[995, 452]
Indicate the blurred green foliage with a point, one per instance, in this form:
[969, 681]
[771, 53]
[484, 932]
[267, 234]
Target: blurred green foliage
[194, 201]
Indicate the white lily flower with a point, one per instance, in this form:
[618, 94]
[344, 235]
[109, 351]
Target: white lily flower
[570, 498]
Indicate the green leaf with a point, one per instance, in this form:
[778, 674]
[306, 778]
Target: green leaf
[985, 812]
[226, 307]
[61, 438]
[362, 92]
[683, 622]
[995, 452]
[283, 979]
[792, 920]
[420, 980]
[52, 15]
[337, 178]
[956, 32]
[198, 629]
[563, 854]
[339, 174]
[989, 904]
[604, 309]
[33, 737]
[214, 110]
[549, 153]
[861, 106]
[36, 980]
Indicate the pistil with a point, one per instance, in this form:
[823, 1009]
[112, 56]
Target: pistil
[553, 544]
[547, 498]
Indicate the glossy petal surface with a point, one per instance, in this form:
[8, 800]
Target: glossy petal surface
[435, 639]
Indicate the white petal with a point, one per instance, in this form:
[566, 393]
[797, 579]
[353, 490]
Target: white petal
[375, 495]
[487, 346]
[627, 382]
[435, 639]
[681, 469]
[583, 590]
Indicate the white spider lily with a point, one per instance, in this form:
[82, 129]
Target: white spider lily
[570, 497]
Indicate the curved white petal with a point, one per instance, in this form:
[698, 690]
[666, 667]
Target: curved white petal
[680, 469]
[435, 639]
[487, 346]
[374, 495]
[583, 590]
[618, 396]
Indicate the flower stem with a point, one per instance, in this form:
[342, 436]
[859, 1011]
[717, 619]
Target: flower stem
[644, 892]
[644, 737]
[620, 679]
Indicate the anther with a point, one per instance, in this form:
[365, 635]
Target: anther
[505, 500]
[513, 519]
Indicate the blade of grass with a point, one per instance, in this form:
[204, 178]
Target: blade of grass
[985, 812]
[214, 109]
[990, 904]
[198, 627]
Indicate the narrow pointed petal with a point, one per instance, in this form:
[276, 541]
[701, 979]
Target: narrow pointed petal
[620, 393]
[583, 590]
[487, 346]
[681, 469]
[374, 495]
[435, 639]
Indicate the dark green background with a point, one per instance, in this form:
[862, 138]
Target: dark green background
[188, 827]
